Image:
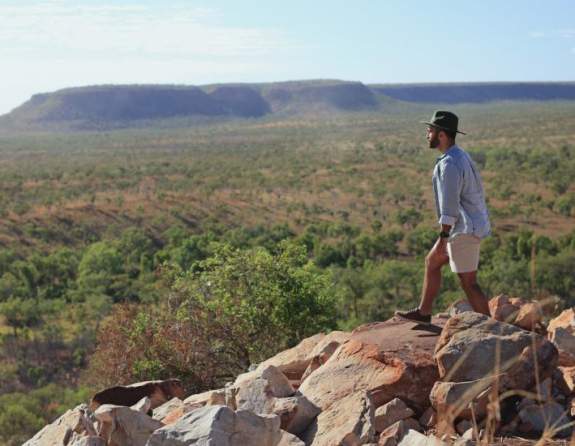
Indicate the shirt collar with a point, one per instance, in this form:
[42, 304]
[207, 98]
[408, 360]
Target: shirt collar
[454, 146]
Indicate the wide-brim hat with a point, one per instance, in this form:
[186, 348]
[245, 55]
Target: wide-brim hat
[444, 120]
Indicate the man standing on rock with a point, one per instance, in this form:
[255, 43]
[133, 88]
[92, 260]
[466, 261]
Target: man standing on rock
[463, 216]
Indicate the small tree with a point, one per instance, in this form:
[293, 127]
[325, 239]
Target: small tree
[228, 311]
[21, 314]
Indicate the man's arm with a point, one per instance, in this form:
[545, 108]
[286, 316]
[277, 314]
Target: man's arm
[450, 184]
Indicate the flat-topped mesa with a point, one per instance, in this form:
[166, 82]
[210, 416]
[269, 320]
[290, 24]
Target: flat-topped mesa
[113, 106]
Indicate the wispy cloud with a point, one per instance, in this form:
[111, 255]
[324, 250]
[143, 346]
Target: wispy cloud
[567, 33]
[107, 29]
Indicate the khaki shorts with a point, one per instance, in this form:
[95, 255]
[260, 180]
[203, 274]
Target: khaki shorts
[463, 252]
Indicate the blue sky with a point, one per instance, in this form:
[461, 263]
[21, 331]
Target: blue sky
[46, 45]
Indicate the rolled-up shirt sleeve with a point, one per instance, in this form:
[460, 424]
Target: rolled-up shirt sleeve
[450, 183]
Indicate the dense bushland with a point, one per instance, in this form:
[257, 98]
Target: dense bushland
[142, 255]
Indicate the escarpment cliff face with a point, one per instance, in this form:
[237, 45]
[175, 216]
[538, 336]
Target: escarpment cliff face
[118, 105]
[322, 96]
[111, 106]
[466, 379]
[479, 92]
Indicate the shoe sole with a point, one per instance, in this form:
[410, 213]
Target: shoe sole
[413, 320]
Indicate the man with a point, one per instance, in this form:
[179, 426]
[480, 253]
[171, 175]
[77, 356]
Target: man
[463, 216]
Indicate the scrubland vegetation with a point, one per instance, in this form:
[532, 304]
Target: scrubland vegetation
[147, 254]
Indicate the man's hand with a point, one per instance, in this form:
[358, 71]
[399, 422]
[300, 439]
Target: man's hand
[438, 254]
[442, 246]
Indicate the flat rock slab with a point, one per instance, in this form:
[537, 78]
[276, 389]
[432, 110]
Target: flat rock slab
[409, 340]
[388, 359]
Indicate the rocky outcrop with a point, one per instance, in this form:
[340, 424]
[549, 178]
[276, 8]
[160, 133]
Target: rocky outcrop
[507, 365]
[390, 383]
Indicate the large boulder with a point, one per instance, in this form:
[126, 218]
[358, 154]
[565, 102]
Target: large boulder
[529, 316]
[295, 362]
[390, 413]
[270, 392]
[459, 401]
[68, 428]
[393, 434]
[473, 346]
[208, 398]
[516, 311]
[460, 306]
[387, 359]
[161, 412]
[221, 426]
[349, 422]
[502, 309]
[561, 332]
[296, 413]
[174, 409]
[124, 426]
[259, 393]
[323, 351]
[454, 400]
[157, 391]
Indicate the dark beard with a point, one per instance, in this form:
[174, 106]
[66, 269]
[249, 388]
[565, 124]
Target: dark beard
[434, 143]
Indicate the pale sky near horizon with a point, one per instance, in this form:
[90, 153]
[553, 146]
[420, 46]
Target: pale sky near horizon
[46, 45]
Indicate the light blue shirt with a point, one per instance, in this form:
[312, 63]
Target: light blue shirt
[459, 196]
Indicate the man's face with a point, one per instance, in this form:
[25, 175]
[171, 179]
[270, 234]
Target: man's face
[433, 137]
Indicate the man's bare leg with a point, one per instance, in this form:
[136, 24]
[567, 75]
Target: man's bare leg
[434, 261]
[475, 296]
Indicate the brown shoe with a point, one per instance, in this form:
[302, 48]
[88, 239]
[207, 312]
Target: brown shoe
[414, 316]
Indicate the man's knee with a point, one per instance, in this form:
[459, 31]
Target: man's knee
[434, 261]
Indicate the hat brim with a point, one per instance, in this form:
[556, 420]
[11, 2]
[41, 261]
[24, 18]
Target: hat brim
[439, 127]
